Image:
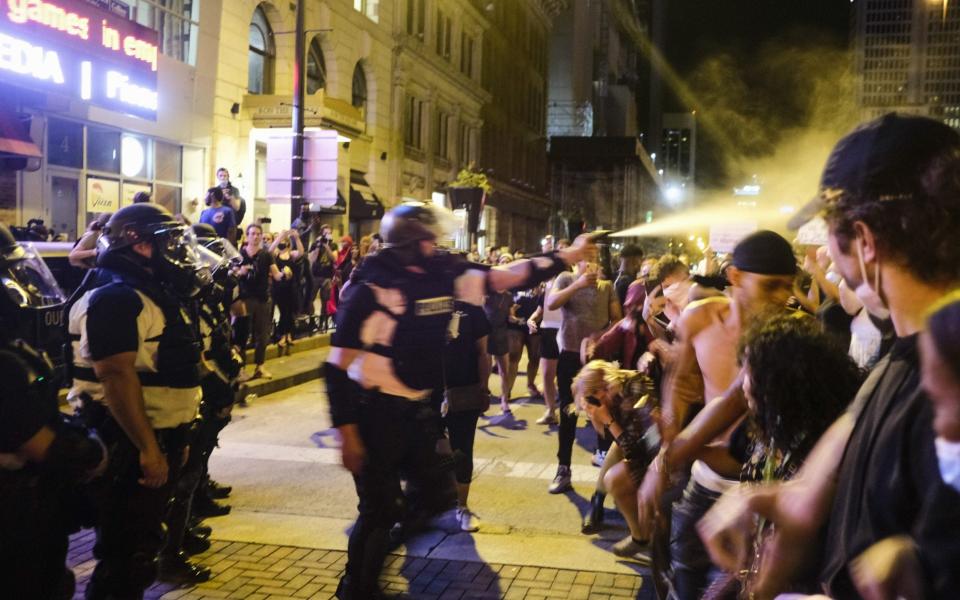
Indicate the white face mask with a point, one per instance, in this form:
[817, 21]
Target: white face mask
[870, 296]
[948, 455]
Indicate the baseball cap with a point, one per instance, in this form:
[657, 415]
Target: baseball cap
[882, 159]
[765, 253]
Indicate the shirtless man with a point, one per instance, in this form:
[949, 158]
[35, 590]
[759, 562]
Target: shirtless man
[705, 366]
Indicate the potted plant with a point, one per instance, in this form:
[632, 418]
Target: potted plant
[469, 192]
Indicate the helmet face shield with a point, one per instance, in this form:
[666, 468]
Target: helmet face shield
[178, 260]
[227, 251]
[28, 281]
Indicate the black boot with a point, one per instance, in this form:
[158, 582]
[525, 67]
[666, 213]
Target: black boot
[178, 569]
[205, 507]
[194, 544]
[593, 521]
[217, 491]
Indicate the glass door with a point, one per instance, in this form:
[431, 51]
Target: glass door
[62, 211]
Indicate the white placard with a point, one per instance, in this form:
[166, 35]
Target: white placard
[814, 233]
[103, 195]
[725, 236]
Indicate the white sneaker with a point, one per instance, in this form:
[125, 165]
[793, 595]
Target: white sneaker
[598, 457]
[549, 418]
[628, 548]
[467, 520]
[561, 482]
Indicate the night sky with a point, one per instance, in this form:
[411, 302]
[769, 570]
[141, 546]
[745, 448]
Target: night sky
[753, 67]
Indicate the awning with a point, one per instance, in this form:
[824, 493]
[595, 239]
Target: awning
[337, 209]
[364, 204]
[15, 136]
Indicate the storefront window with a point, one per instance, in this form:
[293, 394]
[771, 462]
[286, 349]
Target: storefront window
[168, 161]
[103, 150]
[65, 143]
[135, 157]
[168, 197]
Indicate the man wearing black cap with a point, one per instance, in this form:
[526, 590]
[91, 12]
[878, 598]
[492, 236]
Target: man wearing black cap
[708, 332]
[890, 195]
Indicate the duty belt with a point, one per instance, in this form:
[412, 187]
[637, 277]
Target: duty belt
[147, 378]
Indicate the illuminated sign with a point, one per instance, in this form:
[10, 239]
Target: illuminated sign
[76, 49]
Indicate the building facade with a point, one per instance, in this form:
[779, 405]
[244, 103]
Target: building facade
[513, 150]
[403, 83]
[907, 58]
[600, 173]
[101, 100]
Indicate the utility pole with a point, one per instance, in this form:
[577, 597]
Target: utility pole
[296, 180]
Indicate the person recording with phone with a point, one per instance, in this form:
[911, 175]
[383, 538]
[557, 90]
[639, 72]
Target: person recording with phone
[588, 306]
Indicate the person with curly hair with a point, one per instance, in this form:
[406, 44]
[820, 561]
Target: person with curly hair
[797, 380]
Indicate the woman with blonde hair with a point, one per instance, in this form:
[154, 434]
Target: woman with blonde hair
[621, 403]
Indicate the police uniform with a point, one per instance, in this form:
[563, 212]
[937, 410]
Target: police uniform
[39, 474]
[132, 312]
[399, 321]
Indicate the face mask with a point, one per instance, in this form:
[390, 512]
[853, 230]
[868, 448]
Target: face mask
[678, 292]
[870, 296]
[948, 455]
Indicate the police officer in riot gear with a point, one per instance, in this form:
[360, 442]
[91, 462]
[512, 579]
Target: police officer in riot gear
[386, 364]
[221, 365]
[135, 372]
[42, 454]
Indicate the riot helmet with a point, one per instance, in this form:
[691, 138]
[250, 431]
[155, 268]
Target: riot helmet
[31, 301]
[405, 226]
[175, 258]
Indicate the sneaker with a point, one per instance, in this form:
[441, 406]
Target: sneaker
[533, 392]
[549, 418]
[598, 457]
[630, 548]
[262, 373]
[561, 482]
[467, 520]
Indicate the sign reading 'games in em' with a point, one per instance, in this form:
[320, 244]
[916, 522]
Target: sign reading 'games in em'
[76, 49]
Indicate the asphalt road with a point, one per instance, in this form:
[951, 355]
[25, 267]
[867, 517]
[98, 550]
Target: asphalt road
[282, 458]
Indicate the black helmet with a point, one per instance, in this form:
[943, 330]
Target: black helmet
[416, 221]
[31, 302]
[175, 259]
[204, 231]
[10, 248]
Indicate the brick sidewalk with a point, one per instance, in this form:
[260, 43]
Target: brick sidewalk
[267, 572]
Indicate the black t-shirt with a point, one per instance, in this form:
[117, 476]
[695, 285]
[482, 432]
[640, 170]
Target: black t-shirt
[323, 267]
[460, 359]
[889, 481]
[20, 417]
[112, 321]
[527, 303]
[257, 282]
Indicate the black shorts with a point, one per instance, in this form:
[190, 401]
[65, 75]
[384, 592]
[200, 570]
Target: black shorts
[548, 344]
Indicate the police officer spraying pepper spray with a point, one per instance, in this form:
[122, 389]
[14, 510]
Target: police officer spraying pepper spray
[135, 372]
[43, 456]
[386, 362]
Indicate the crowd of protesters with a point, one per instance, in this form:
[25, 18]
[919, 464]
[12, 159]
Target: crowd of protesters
[781, 418]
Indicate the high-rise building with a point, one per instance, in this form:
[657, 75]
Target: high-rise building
[678, 148]
[600, 173]
[907, 57]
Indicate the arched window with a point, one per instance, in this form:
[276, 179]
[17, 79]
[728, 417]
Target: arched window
[359, 87]
[261, 54]
[316, 67]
